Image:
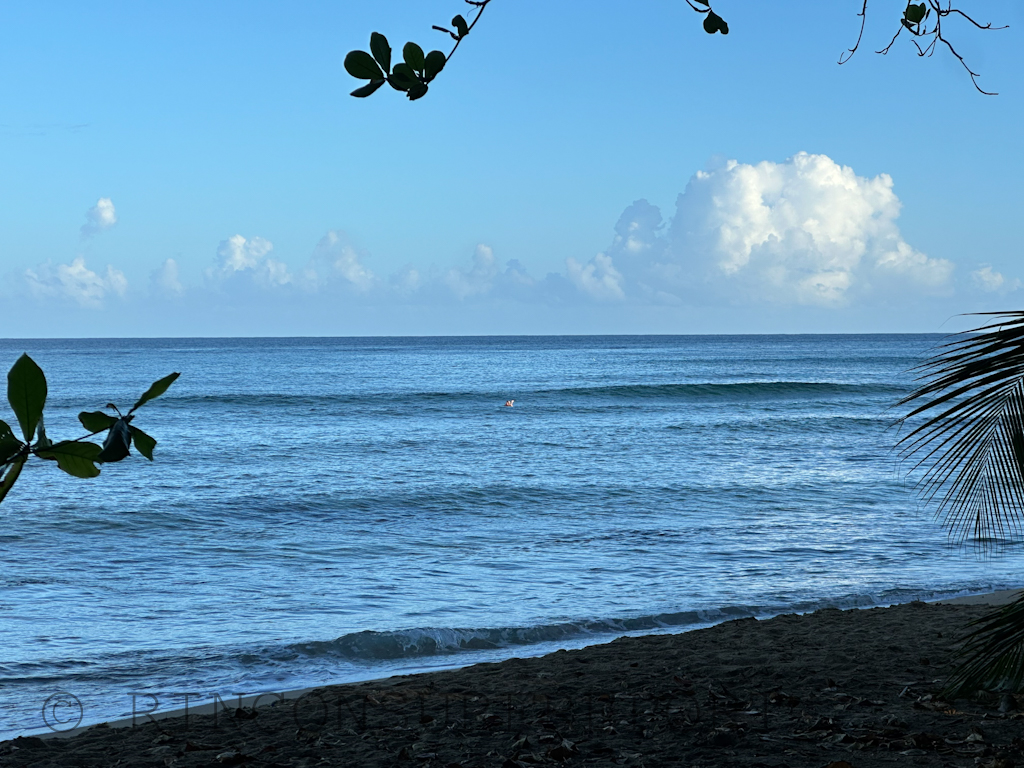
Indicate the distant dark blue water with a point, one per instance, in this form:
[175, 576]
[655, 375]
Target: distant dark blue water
[337, 509]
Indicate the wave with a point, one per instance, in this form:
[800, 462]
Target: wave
[748, 390]
[371, 646]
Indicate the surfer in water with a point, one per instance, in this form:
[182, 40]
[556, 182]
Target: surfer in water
[508, 403]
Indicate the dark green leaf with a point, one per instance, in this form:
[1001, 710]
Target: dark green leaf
[371, 87]
[96, 421]
[9, 444]
[915, 13]
[402, 77]
[75, 458]
[26, 392]
[115, 447]
[413, 56]
[418, 91]
[433, 64]
[461, 27]
[702, 2]
[361, 64]
[144, 444]
[715, 23]
[11, 477]
[381, 50]
[157, 388]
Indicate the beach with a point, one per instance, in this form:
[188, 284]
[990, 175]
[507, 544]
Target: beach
[830, 688]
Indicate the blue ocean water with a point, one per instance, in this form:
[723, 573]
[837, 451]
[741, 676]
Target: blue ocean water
[324, 510]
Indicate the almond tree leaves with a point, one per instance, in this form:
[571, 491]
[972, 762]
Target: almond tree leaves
[156, 389]
[914, 15]
[9, 444]
[26, 392]
[381, 51]
[712, 21]
[119, 440]
[96, 421]
[76, 458]
[144, 444]
[715, 23]
[410, 76]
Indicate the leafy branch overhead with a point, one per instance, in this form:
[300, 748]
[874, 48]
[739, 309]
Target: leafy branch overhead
[922, 21]
[26, 393]
[414, 74]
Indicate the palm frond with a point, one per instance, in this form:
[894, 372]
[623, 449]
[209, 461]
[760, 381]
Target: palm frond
[968, 453]
[992, 655]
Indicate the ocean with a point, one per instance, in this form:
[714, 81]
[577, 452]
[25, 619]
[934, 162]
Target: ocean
[329, 510]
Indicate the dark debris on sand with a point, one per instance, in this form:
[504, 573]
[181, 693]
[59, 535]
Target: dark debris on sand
[843, 689]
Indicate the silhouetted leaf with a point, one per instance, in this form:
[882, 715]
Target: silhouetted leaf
[418, 91]
[433, 64]
[413, 56]
[915, 13]
[381, 50]
[144, 444]
[402, 77]
[361, 64]
[715, 23]
[11, 476]
[26, 392]
[157, 388]
[96, 421]
[364, 91]
[461, 27]
[9, 444]
[115, 447]
[75, 458]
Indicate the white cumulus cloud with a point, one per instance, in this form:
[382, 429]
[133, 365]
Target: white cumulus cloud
[335, 258]
[166, 281]
[75, 281]
[100, 217]
[238, 257]
[480, 276]
[597, 278]
[805, 231]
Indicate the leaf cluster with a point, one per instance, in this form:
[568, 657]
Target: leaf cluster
[27, 392]
[412, 75]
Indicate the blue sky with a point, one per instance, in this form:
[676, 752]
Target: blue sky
[191, 168]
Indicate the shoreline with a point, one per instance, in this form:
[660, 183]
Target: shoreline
[221, 707]
[801, 691]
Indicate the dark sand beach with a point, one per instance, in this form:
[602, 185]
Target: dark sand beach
[833, 688]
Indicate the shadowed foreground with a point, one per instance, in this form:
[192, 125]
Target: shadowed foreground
[841, 688]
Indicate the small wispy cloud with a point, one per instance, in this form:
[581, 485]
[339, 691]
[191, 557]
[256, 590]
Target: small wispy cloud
[990, 281]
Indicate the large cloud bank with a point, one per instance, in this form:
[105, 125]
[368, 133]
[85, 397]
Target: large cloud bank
[806, 231]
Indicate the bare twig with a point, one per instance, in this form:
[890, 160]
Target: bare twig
[847, 55]
[919, 28]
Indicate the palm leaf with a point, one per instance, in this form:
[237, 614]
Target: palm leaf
[968, 451]
[992, 655]
[966, 444]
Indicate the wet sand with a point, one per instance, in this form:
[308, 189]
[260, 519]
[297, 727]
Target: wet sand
[833, 688]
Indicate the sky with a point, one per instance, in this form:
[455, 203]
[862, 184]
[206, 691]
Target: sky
[199, 169]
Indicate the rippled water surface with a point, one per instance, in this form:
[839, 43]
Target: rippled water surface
[337, 509]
